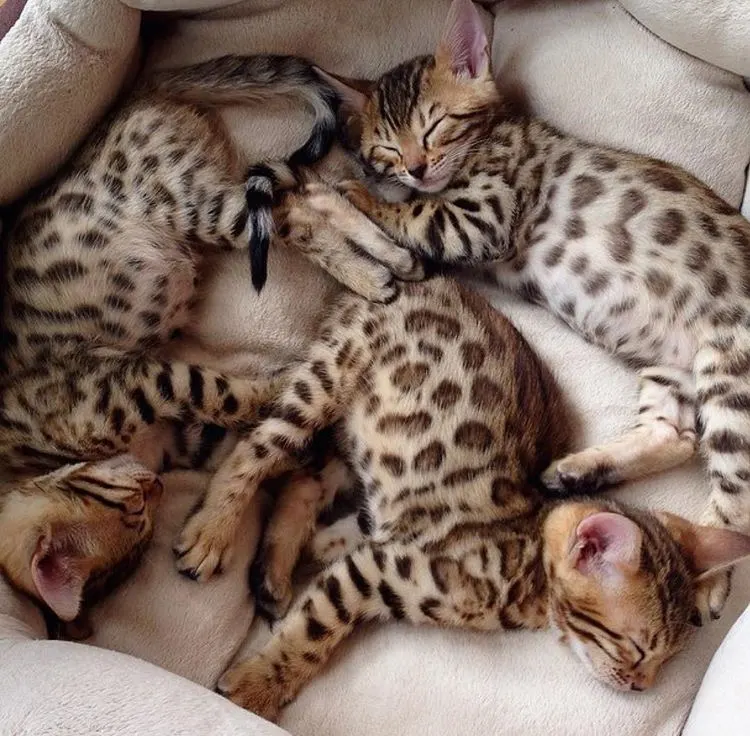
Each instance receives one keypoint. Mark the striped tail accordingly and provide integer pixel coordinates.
(264, 183)
(244, 80)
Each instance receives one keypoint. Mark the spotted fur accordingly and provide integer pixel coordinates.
(100, 271)
(633, 253)
(446, 417)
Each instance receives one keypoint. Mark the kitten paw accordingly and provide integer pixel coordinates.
(357, 193)
(253, 685)
(577, 473)
(711, 596)
(205, 546)
(273, 592)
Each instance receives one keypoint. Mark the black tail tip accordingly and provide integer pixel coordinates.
(259, 261)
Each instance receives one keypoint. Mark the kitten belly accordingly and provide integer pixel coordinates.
(609, 307)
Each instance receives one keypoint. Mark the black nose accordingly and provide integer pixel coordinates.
(418, 171)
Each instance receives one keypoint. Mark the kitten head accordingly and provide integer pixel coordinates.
(67, 536)
(623, 583)
(417, 123)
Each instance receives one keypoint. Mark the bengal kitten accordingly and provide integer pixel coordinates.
(635, 254)
(68, 536)
(447, 417)
(101, 269)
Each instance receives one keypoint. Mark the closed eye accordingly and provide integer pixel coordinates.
(387, 148)
(431, 130)
(641, 654)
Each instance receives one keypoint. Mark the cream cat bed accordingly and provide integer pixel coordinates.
(588, 66)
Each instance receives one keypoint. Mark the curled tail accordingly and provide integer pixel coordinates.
(264, 182)
(247, 80)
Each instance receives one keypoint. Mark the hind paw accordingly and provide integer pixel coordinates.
(252, 685)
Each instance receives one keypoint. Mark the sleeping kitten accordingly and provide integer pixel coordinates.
(635, 254)
(101, 269)
(447, 417)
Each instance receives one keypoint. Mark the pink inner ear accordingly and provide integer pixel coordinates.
(59, 579)
(465, 41)
(608, 539)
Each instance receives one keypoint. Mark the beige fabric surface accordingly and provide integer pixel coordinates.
(61, 66)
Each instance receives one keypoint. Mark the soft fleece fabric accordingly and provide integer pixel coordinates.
(587, 66)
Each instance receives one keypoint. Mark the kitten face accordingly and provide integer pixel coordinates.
(421, 120)
(74, 528)
(621, 592)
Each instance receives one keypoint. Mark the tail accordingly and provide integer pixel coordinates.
(264, 183)
(245, 80)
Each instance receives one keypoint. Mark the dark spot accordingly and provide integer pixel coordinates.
(420, 320)
(633, 201)
(579, 264)
(603, 162)
(575, 228)
(662, 178)
(403, 566)
(585, 190)
(596, 283)
(394, 464)
(620, 243)
(668, 227)
(708, 225)
(727, 441)
(718, 284)
(430, 458)
(410, 376)
(446, 394)
(698, 256)
(473, 435)
(563, 164)
(486, 394)
(658, 282)
(554, 255)
(405, 424)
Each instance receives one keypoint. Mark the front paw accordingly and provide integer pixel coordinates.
(205, 546)
(581, 472)
(357, 193)
(253, 685)
(711, 596)
(272, 589)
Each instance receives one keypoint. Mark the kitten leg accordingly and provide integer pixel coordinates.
(331, 543)
(663, 438)
(320, 223)
(317, 394)
(374, 582)
(290, 528)
(449, 228)
(723, 385)
(97, 407)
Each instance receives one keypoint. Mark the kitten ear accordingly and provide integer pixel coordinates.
(607, 540)
(60, 570)
(353, 92)
(464, 45)
(708, 548)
